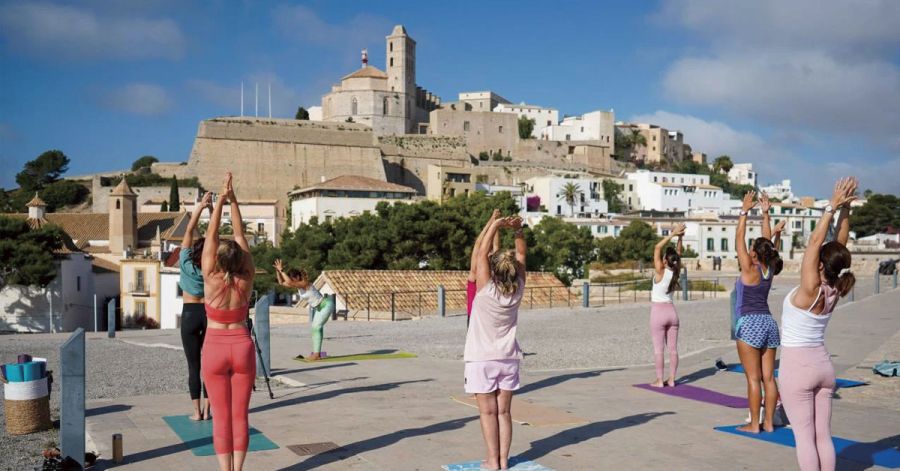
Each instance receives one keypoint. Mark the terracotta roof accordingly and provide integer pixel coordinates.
(102, 264)
(355, 182)
(36, 201)
(360, 290)
(85, 227)
(148, 222)
(367, 72)
(178, 228)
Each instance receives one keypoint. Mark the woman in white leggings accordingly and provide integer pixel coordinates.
(807, 379)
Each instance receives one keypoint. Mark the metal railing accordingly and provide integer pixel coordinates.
(639, 290)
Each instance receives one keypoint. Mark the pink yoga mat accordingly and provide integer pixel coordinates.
(697, 393)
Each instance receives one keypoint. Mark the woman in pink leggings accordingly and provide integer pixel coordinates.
(663, 318)
(473, 263)
(807, 380)
(228, 361)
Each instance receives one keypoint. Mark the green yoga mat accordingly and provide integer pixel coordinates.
(197, 435)
(361, 356)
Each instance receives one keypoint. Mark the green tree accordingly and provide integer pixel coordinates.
(570, 193)
(164, 207)
(722, 164)
(612, 194)
(688, 252)
(526, 127)
(64, 193)
(349, 120)
(561, 248)
(608, 250)
(174, 199)
(302, 114)
(637, 241)
(145, 161)
(42, 171)
(868, 193)
(879, 212)
(27, 255)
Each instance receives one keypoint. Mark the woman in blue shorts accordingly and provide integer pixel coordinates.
(756, 330)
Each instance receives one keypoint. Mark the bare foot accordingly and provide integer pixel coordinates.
(749, 428)
(196, 417)
(671, 382)
(314, 357)
(492, 465)
(768, 428)
(657, 384)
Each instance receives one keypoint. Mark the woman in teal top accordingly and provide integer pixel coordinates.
(193, 312)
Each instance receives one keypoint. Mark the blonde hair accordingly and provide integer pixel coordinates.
(505, 272)
(229, 259)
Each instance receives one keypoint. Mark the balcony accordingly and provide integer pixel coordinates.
(138, 289)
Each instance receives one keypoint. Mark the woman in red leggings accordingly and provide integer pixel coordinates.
(228, 358)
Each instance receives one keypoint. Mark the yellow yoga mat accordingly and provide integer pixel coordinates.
(361, 356)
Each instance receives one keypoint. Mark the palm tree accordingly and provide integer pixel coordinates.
(722, 164)
(570, 194)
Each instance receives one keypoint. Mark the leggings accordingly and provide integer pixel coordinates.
(323, 312)
(229, 369)
(806, 384)
(193, 329)
(664, 332)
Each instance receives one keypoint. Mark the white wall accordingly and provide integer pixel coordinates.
(28, 309)
(593, 126)
(549, 188)
(663, 191)
(302, 210)
(543, 117)
(170, 303)
(77, 288)
(742, 174)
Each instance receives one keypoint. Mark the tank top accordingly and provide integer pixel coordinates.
(227, 316)
(754, 299)
(660, 291)
(312, 295)
(802, 328)
(190, 277)
(492, 329)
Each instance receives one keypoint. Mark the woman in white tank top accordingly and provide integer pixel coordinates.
(807, 379)
(663, 318)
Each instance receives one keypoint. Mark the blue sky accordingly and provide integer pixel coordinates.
(806, 90)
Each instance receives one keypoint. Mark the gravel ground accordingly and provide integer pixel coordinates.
(114, 369)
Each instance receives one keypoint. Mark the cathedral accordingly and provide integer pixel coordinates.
(389, 102)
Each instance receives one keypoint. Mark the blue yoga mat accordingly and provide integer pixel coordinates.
(197, 435)
(840, 382)
(515, 464)
(863, 453)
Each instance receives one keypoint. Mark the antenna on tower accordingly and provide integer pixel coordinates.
(270, 100)
(256, 100)
(242, 98)
(365, 57)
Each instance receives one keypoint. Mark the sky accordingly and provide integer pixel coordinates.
(806, 90)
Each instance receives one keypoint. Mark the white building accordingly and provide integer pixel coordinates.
(686, 192)
(782, 190)
(589, 201)
(315, 113)
(344, 196)
(260, 219)
(600, 228)
(742, 174)
(516, 191)
(543, 117)
(714, 237)
(596, 126)
(801, 220)
(481, 101)
(171, 299)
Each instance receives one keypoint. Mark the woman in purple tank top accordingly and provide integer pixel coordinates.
(757, 332)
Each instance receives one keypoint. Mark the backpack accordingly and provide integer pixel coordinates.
(887, 368)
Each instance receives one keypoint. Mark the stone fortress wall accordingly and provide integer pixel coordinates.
(100, 194)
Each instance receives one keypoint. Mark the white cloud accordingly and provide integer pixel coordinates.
(304, 25)
(144, 99)
(822, 67)
(73, 33)
(774, 162)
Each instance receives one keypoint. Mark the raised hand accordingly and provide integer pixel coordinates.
(843, 193)
(679, 230)
(205, 202)
(764, 203)
(779, 228)
(495, 214)
(747, 204)
(278, 265)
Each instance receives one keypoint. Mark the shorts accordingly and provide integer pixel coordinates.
(758, 330)
(488, 376)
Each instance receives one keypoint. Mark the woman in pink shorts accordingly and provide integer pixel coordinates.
(473, 264)
(492, 353)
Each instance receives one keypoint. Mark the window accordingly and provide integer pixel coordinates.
(654, 140)
(500, 129)
(558, 209)
(384, 106)
(77, 283)
(392, 61)
(630, 187)
(710, 244)
(604, 229)
(353, 106)
(140, 308)
(391, 46)
(328, 218)
(812, 225)
(665, 232)
(568, 137)
(260, 227)
(655, 179)
(118, 204)
(139, 280)
(548, 122)
(465, 125)
(724, 244)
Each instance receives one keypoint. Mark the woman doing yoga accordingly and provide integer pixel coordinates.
(663, 317)
(229, 360)
(807, 375)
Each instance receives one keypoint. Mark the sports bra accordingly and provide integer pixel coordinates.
(227, 316)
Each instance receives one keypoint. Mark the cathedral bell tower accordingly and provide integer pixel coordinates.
(401, 70)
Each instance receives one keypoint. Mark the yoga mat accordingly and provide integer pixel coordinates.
(696, 393)
(840, 382)
(515, 464)
(14, 373)
(31, 371)
(864, 453)
(361, 356)
(528, 413)
(197, 435)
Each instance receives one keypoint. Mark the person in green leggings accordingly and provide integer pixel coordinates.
(323, 306)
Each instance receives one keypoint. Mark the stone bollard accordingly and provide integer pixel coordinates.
(442, 300)
(684, 284)
(586, 294)
(261, 328)
(71, 424)
(111, 318)
(877, 281)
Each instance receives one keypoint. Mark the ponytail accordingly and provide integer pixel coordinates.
(836, 260)
(768, 255)
(673, 262)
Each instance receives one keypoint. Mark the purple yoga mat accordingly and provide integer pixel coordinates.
(696, 393)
